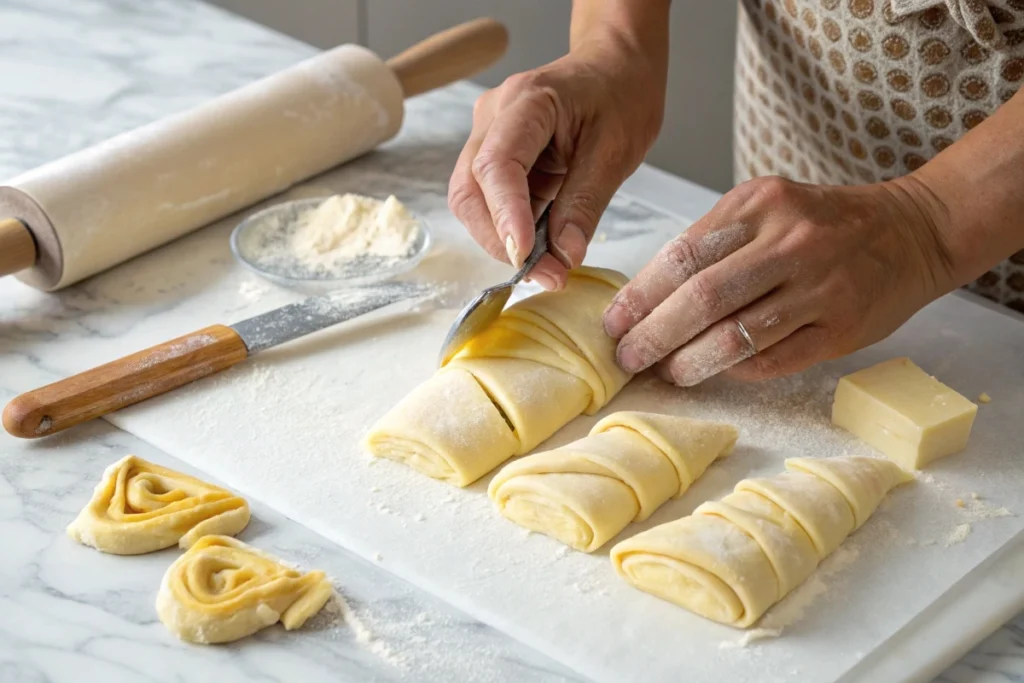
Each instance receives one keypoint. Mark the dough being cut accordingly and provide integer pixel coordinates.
(734, 558)
(584, 493)
(543, 362)
(222, 590)
(139, 507)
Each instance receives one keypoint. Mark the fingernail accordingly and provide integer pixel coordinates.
(571, 246)
(629, 359)
(616, 320)
(545, 281)
(513, 251)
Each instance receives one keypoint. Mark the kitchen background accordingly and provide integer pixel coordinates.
(696, 138)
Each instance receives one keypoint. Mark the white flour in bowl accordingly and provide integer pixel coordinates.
(347, 235)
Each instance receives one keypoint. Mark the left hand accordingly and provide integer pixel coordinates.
(779, 276)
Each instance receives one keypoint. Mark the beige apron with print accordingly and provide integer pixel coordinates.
(859, 91)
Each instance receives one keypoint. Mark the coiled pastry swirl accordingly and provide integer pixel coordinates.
(139, 507)
(222, 590)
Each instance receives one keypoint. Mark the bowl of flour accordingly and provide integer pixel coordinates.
(324, 244)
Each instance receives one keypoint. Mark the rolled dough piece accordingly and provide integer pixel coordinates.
(102, 205)
(222, 590)
(139, 507)
(586, 492)
(733, 559)
(542, 363)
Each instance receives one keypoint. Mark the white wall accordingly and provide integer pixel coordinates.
(696, 140)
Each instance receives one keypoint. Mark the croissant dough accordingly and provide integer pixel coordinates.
(139, 507)
(222, 590)
(734, 558)
(585, 492)
(543, 362)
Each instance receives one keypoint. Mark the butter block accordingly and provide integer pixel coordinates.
(905, 413)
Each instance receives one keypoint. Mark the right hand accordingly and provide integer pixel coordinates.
(569, 132)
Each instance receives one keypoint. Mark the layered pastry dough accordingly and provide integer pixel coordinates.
(543, 362)
(139, 507)
(222, 590)
(584, 493)
(734, 558)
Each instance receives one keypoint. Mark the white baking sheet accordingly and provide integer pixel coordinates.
(284, 428)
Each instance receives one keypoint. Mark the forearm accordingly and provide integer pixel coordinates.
(978, 185)
(642, 23)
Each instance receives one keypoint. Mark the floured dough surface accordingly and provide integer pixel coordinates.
(544, 361)
(222, 590)
(139, 507)
(586, 492)
(734, 558)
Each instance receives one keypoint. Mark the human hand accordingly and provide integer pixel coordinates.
(569, 132)
(779, 276)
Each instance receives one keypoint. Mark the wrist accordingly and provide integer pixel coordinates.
(924, 220)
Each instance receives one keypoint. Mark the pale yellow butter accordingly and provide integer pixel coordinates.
(902, 411)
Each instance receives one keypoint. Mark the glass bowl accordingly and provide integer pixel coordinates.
(259, 242)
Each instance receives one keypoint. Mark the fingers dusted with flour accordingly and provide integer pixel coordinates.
(778, 276)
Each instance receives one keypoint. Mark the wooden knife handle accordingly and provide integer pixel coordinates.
(123, 382)
(17, 246)
(443, 58)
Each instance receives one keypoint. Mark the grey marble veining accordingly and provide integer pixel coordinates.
(73, 73)
(71, 613)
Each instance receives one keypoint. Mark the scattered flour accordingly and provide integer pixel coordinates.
(958, 535)
(792, 607)
(365, 637)
(252, 290)
(751, 636)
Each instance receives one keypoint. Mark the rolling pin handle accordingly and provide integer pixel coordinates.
(449, 56)
(17, 247)
(123, 382)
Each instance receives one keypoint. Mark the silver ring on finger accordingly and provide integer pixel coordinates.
(746, 336)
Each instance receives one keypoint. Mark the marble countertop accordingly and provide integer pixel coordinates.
(76, 73)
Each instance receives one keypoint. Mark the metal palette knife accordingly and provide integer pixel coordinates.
(167, 366)
(488, 305)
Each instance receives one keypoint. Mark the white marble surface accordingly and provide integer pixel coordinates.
(74, 73)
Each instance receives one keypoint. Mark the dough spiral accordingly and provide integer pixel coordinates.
(139, 507)
(586, 492)
(543, 362)
(734, 558)
(222, 590)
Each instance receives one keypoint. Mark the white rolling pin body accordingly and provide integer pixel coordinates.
(105, 204)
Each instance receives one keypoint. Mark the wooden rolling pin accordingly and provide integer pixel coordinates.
(96, 208)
